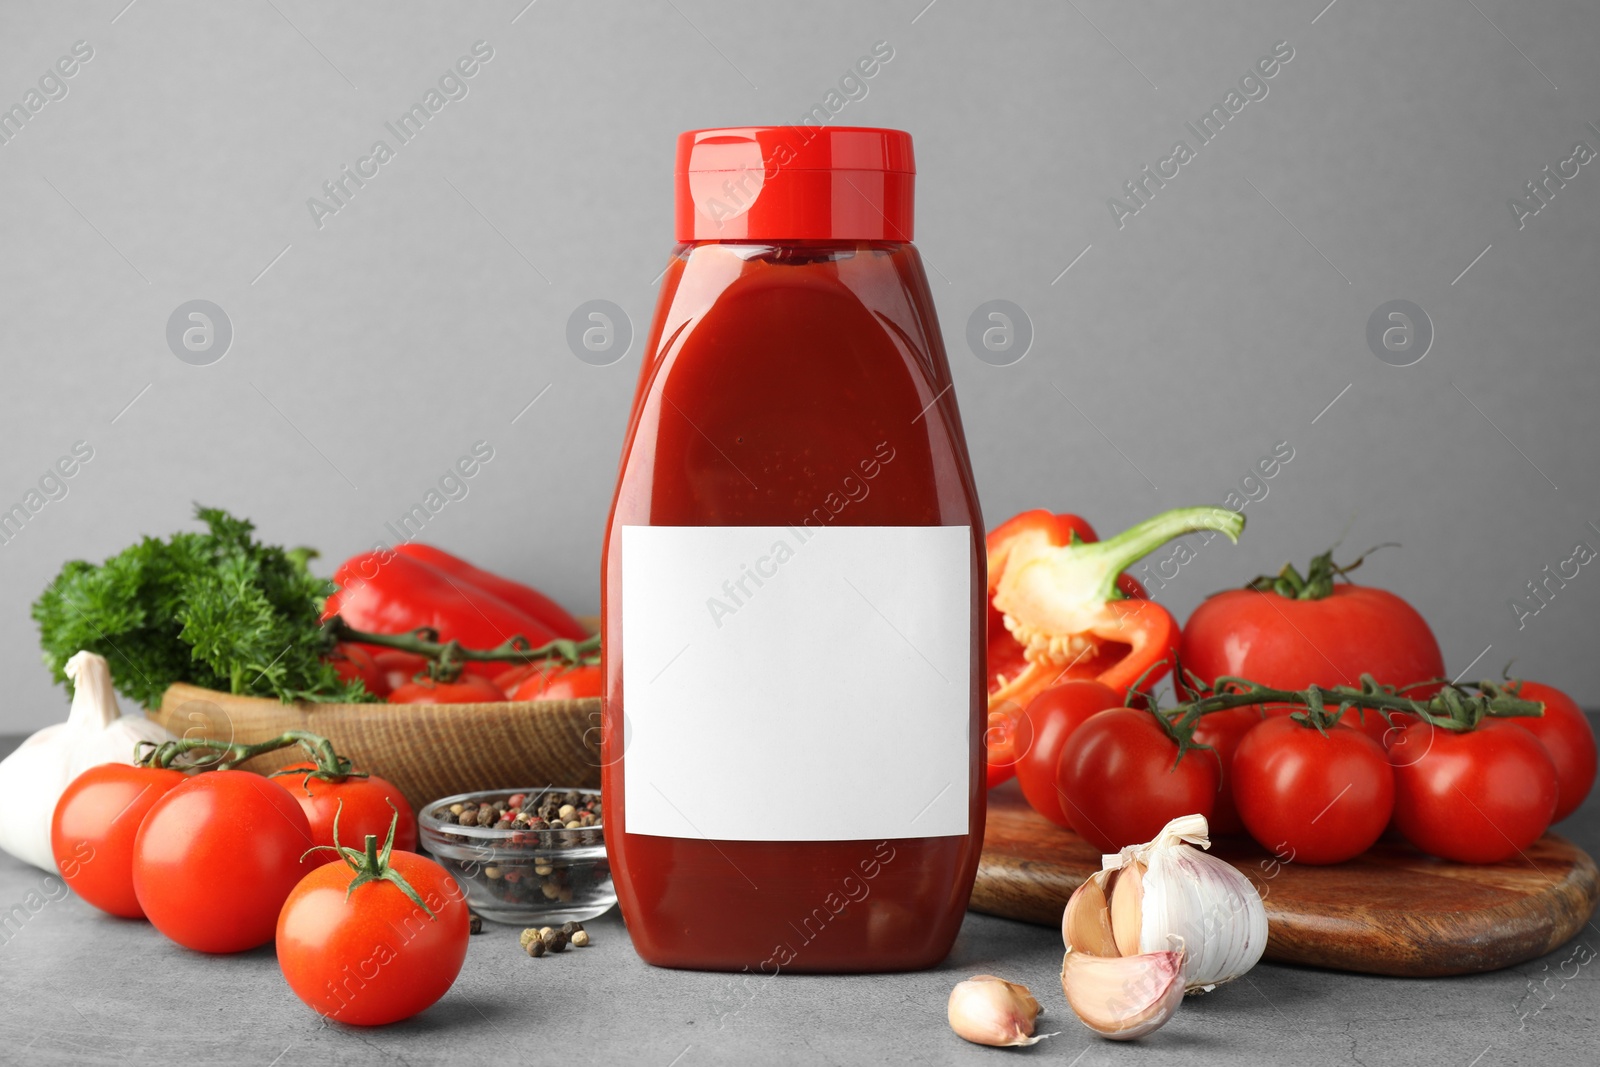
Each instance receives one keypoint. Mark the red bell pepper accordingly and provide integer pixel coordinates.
(1060, 607)
(530, 600)
(391, 593)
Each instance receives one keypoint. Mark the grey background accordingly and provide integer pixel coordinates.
(1225, 317)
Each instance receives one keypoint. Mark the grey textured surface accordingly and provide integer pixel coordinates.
(427, 313)
(80, 987)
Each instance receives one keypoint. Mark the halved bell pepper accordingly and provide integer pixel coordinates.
(1061, 608)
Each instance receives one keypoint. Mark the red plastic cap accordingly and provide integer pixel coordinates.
(794, 183)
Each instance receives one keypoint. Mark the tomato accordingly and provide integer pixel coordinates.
(1042, 731)
(362, 806)
(1288, 643)
(353, 661)
(1568, 737)
(467, 689)
(1475, 797)
(93, 828)
(216, 857)
(1309, 797)
(1222, 730)
(372, 956)
(560, 683)
(398, 668)
(1120, 779)
(508, 680)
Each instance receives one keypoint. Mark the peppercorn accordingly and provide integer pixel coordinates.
(581, 939)
(570, 928)
(468, 817)
(534, 948)
(474, 923)
(486, 817)
(567, 812)
(556, 941)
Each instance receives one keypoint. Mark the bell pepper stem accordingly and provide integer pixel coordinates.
(1116, 554)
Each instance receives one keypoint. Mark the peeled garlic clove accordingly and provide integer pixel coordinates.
(1123, 997)
(991, 1011)
(1126, 912)
(1086, 924)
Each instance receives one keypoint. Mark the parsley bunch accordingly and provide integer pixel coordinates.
(216, 609)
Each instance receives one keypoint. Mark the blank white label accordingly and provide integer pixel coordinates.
(797, 684)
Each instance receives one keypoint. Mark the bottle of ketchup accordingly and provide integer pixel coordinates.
(794, 578)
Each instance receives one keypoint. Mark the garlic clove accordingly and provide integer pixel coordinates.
(991, 1011)
(1086, 923)
(1123, 997)
(1127, 908)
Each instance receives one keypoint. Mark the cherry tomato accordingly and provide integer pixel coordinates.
(398, 668)
(467, 689)
(1120, 779)
(353, 661)
(372, 956)
(1567, 736)
(1042, 731)
(1312, 798)
(93, 828)
(1222, 730)
(362, 806)
(560, 683)
(1000, 744)
(508, 680)
(216, 857)
(1475, 797)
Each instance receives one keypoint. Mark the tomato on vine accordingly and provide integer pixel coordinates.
(1221, 732)
(215, 859)
(1126, 772)
(368, 804)
(466, 689)
(1311, 789)
(546, 681)
(93, 828)
(1567, 736)
(1480, 794)
(1042, 731)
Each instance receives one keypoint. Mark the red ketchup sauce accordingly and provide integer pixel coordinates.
(800, 786)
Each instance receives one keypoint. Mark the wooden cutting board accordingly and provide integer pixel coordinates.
(1392, 911)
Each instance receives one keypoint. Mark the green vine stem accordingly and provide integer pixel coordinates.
(446, 658)
(1454, 707)
(226, 755)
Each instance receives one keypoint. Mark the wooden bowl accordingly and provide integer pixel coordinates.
(427, 750)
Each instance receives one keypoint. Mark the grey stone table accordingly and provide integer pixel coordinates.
(79, 987)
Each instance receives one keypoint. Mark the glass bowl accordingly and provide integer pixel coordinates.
(520, 875)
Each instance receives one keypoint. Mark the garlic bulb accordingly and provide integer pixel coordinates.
(1147, 893)
(33, 777)
(991, 1011)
